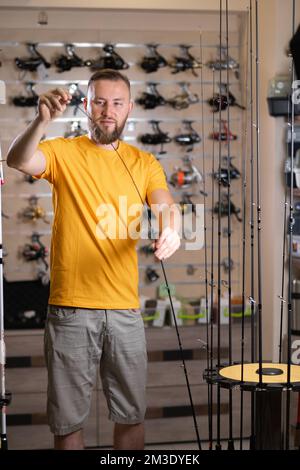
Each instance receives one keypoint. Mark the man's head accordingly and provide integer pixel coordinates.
(108, 104)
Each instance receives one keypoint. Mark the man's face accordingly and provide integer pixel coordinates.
(108, 104)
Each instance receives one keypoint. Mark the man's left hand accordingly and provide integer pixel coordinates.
(167, 244)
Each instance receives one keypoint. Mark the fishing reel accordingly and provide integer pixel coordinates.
(77, 96)
(186, 204)
(68, 61)
(32, 63)
(189, 139)
(30, 179)
(223, 100)
(226, 206)
(183, 178)
(151, 275)
(27, 101)
(147, 249)
(111, 60)
(151, 99)
(185, 62)
(227, 264)
(186, 98)
(224, 135)
(35, 250)
(34, 212)
(75, 130)
(227, 174)
(226, 63)
(158, 138)
(154, 60)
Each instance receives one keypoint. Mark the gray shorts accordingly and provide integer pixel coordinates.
(77, 342)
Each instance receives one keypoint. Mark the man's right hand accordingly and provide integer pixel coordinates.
(53, 104)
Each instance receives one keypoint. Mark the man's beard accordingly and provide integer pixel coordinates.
(103, 137)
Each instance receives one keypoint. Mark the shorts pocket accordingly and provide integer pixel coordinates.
(60, 314)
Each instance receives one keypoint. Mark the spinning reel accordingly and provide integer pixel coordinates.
(184, 177)
(27, 101)
(34, 61)
(224, 176)
(222, 100)
(226, 205)
(35, 250)
(185, 62)
(111, 60)
(77, 96)
(158, 138)
(151, 275)
(151, 99)
(186, 98)
(34, 212)
(189, 139)
(154, 60)
(70, 60)
(225, 135)
(225, 63)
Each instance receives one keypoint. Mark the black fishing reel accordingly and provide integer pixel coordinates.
(185, 62)
(225, 63)
(35, 250)
(154, 60)
(227, 264)
(186, 204)
(77, 96)
(111, 60)
(223, 100)
(31, 100)
(32, 63)
(227, 174)
(183, 100)
(147, 249)
(151, 275)
(158, 138)
(151, 99)
(189, 139)
(75, 130)
(224, 135)
(68, 61)
(226, 206)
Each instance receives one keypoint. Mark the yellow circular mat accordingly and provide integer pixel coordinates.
(249, 374)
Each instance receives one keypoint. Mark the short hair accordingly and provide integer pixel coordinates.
(109, 74)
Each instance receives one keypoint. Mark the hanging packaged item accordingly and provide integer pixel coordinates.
(296, 171)
(296, 139)
(280, 97)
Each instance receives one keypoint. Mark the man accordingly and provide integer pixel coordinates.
(93, 315)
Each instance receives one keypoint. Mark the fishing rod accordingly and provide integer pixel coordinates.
(230, 440)
(218, 444)
(208, 349)
(290, 260)
(169, 295)
(243, 191)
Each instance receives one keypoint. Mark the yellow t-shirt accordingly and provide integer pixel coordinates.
(94, 266)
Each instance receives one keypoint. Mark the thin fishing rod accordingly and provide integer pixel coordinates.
(290, 266)
(252, 203)
(208, 350)
(243, 190)
(230, 440)
(218, 445)
(170, 299)
(282, 301)
(212, 281)
(258, 206)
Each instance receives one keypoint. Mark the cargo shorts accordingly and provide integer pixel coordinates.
(78, 342)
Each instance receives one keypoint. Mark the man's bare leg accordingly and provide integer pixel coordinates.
(72, 441)
(129, 436)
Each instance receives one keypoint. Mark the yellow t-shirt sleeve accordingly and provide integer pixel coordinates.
(49, 149)
(157, 177)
